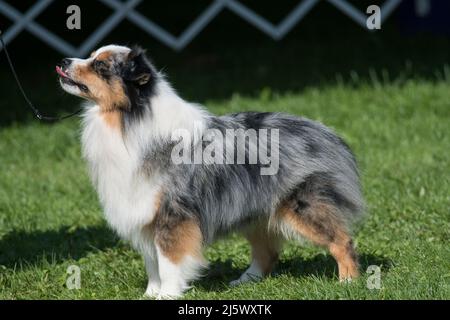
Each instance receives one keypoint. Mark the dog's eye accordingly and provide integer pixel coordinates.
(100, 66)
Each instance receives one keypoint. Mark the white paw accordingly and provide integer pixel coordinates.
(168, 296)
(170, 292)
(152, 290)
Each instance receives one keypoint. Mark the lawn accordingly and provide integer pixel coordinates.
(387, 94)
(50, 218)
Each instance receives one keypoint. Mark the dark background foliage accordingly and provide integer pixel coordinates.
(231, 56)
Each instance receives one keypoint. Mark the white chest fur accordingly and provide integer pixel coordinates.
(128, 196)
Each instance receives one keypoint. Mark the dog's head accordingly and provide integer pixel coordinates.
(113, 76)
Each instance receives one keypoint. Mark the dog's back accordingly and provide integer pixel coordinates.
(314, 164)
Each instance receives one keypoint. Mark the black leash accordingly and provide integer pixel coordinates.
(35, 110)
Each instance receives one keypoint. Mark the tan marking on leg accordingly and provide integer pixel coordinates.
(320, 224)
(345, 256)
(180, 240)
(290, 217)
(265, 247)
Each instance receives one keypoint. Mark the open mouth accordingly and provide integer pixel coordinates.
(65, 78)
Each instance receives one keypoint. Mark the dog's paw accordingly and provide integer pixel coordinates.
(152, 291)
(168, 296)
(346, 280)
(246, 277)
(235, 283)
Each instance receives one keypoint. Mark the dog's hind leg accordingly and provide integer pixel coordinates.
(319, 222)
(265, 248)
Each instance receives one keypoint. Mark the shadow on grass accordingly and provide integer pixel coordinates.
(20, 248)
(220, 273)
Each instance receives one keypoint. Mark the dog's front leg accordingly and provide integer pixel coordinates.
(154, 280)
(178, 247)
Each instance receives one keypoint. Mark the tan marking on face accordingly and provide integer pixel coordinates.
(110, 96)
(104, 56)
(184, 239)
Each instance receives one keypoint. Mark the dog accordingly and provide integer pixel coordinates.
(170, 211)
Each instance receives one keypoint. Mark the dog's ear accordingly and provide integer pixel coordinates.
(137, 69)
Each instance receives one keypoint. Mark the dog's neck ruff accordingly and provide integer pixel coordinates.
(128, 192)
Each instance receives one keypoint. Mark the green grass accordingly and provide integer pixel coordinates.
(400, 132)
(386, 92)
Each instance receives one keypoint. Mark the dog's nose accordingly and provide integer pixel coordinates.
(65, 62)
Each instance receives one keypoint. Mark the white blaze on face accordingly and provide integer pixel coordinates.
(114, 49)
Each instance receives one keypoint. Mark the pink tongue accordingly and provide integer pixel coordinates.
(60, 72)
